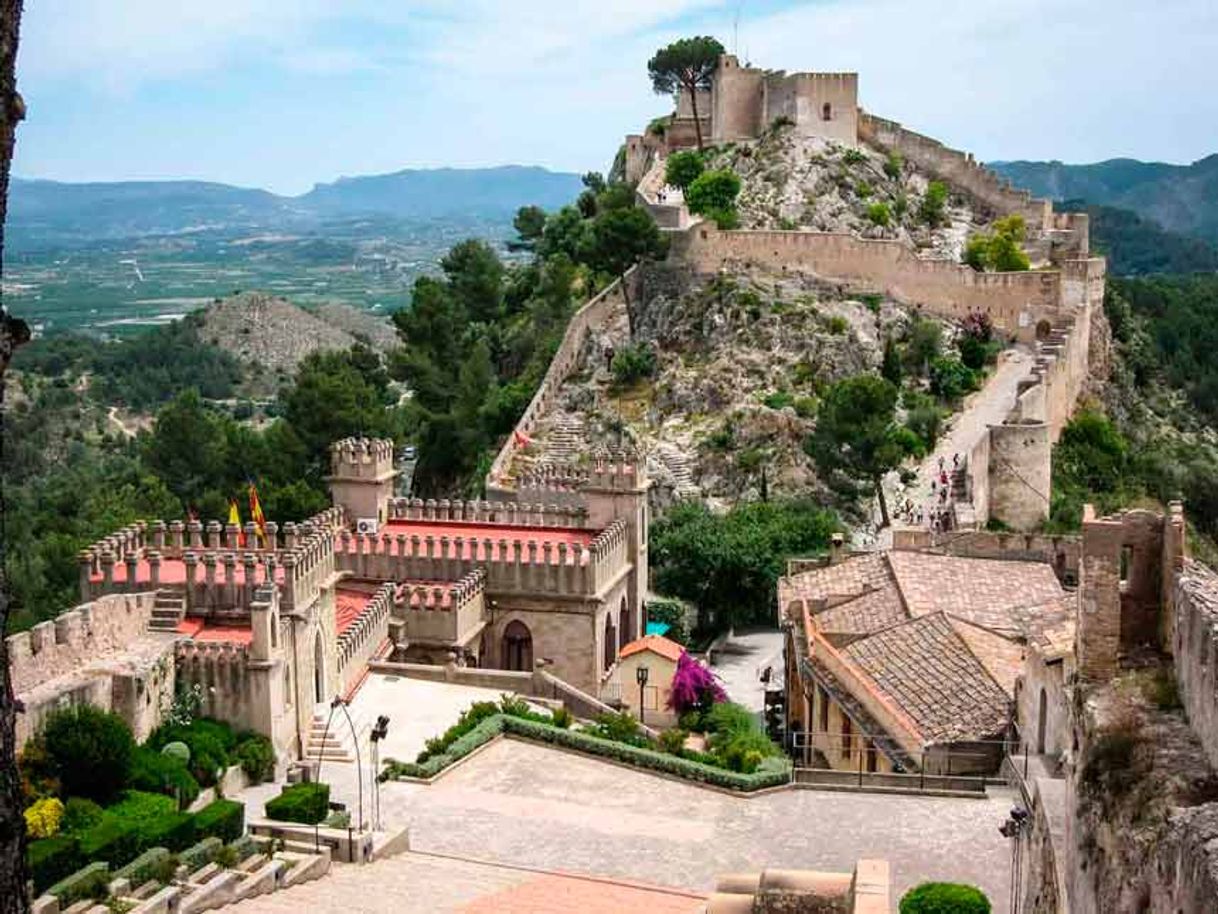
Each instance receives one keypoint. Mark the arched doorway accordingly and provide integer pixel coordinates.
(319, 671)
(1040, 722)
(627, 633)
(517, 647)
(610, 641)
(1043, 329)
(826, 112)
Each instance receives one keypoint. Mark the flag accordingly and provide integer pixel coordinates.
(234, 517)
(256, 514)
(522, 440)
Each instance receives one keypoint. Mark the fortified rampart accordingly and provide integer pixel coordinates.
(364, 637)
(747, 100)
(434, 616)
(1195, 648)
(957, 168)
(593, 315)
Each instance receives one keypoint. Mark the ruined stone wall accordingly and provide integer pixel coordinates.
(958, 168)
(1016, 302)
(1019, 474)
(74, 638)
(1195, 650)
(1061, 552)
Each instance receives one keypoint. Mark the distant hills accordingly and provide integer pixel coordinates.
(48, 212)
(1136, 246)
(1180, 198)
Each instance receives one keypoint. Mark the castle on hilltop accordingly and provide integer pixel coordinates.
(271, 628)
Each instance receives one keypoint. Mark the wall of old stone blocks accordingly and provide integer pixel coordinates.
(958, 168)
(1019, 474)
(1047, 675)
(1016, 302)
(74, 638)
(809, 93)
(737, 99)
(563, 634)
(1195, 651)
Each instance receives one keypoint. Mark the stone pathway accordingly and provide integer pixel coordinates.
(415, 883)
(740, 662)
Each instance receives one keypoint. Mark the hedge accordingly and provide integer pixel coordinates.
(115, 841)
(201, 854)
(176, 831)
(772, 772)
(306, 803)
(223, 819)
(51, 859)
(155, 772)
(89, 882)
(143, 867)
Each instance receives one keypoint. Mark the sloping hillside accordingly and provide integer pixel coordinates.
(1183, 198)
(269, 336)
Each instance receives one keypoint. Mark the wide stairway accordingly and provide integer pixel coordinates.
(681, 467)
(168, 610)
(338, 744)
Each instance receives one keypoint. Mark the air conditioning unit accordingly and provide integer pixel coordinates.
(365, 525)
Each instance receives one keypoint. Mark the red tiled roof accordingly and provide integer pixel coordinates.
(199, 630)
(657, 644)
(348, 604)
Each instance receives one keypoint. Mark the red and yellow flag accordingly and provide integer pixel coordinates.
(256, 513)
(234, 517)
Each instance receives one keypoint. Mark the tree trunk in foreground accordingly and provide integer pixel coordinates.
(693, 101)
(13, 333)
(879, 491)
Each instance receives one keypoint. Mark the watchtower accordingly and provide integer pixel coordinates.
(616, 488)
(361, 478)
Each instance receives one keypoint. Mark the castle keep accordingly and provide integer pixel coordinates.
(271, 629)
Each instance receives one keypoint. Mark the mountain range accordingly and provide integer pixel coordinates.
(50, 212)
(1180, 198)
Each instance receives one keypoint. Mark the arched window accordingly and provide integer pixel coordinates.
(610, 641)
(319, 671)
(627, 633)
(826, 112)
(517, 647)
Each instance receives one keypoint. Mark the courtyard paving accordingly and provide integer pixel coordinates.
(740, 662)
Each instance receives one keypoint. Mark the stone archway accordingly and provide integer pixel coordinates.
(517, 647)
(610, 641)
(625, 624)
(319, 671)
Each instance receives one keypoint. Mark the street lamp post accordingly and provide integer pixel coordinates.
(379, 732)
(640, 675)
(1014, 828)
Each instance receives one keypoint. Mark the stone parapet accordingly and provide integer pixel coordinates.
(520, 514)
(364, 636)
(1195, 650)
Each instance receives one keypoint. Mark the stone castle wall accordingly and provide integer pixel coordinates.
(958, 168)
(364, 638)
(1195, 650)
(1016, 302)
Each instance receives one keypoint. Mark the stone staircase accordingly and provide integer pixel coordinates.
(168, 610)
(565, 440)
(680, 467)
(338, 745)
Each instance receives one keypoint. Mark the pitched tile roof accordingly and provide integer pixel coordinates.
(656, 644)
(925, 668)
(865, 615)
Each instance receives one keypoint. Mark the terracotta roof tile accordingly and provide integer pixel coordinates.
(656, 644)
(927, 670)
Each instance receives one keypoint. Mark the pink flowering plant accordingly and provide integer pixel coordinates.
(694, 687)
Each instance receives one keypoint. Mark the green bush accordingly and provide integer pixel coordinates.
(245, 847)
(933, 209)
(89, 882)
(779, 399)
(138, 806)
(562, 718)
(863, 189)
(951, 379)
(143, 867)
(256, 756)
(306, 803)
(944, 898)
(470, 718)
(724, 217)
(619, 728)
(713, 191)
(633, 363)
(879, 214)
(176, 831)
(485, 730)
(51, 859)
(209, 741)
(158, 772)
(114, 840)
(225, 819)
(837, 325)
(200, 854)
(673, 740)
(79, 815)
(893, 165)
(89, 750)
(854, 157)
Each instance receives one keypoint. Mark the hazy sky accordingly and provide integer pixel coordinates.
(284, 93)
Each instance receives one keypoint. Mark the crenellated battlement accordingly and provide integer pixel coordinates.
(220, 656)
(361, 458)
(486, 512)
(435, 615)
(362, 637)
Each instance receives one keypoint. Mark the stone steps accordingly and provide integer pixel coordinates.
(168, 609)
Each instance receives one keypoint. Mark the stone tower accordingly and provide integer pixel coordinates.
(361, 477)
(617, 488)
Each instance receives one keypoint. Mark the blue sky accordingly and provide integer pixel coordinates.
(284, 93)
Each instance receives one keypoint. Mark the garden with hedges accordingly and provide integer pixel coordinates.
(98, 803)
(738, 755)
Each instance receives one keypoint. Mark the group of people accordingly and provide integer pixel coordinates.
(937, 512)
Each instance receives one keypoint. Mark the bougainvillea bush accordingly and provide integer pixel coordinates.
(694, 687)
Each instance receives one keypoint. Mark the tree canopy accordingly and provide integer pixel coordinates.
(688, 65)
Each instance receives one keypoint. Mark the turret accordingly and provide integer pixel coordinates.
(361, 478)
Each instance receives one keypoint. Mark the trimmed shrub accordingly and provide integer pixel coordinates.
(201, 854)
(143, 867)
(89, 882)
(89, 750)
(114, 840)
(176, 831)
(209, 741)
(158, 772)
(944, 898)
(43, 818)
(225, 819)
(256, 756)
(306, 803)
(619, 728)
(177, 750)
(80, 815)
(51, 859)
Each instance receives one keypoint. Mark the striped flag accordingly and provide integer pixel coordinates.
(234, 517)
(256, 513)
